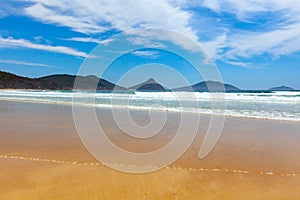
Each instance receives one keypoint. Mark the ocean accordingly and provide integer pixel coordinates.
(283, 105)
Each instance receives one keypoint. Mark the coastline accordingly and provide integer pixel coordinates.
(145, 109)
(254, 159)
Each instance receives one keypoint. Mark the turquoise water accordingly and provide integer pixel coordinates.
(276, 105)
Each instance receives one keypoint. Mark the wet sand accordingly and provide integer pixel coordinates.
(41, 157)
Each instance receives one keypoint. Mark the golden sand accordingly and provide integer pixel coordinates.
(41, 157)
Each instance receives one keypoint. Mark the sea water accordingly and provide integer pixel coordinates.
(262, 105)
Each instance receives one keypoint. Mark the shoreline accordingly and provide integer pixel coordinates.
(173, 167)
(272, 128)
(42, 157)
(146, 109)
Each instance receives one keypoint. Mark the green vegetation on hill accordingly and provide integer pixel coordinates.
(54, 82)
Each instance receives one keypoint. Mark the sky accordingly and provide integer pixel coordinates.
(255, 44)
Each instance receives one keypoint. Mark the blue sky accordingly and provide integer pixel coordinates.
(255, 44)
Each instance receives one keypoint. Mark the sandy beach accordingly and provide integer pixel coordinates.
(41, 157)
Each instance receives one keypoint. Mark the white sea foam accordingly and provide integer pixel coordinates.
(276, 106)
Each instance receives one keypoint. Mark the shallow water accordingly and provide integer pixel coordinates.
(275, 105)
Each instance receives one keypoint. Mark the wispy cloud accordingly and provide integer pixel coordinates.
(95, 17)
(146, 54)
(240, 64)
(98, 16)
(214, 47)
(17, 62)
(90, 40)
(22, 43)
(279, 37)
(2, 14)
(64, 13)
(283, 41)
(246, 10)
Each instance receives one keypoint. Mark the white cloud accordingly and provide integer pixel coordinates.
(240, 64)
(280, 37)
(26, 63)
(245, 9)
(59, 16)
(147, 54)
(157, 38)
(212, 4)
(90, 40)
(231, 45)
(214, 47)
(280, 42)
(17, 43)
(92, 16)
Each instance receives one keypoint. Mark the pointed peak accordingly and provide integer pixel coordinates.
(150, 84)
(151, 80)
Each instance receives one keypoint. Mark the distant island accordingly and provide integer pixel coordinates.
(66, 82)
(149, 85)
(212, 86)
(282, 88)
(204, 86)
